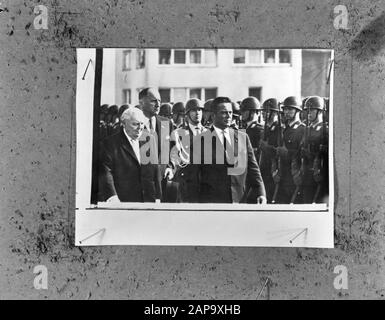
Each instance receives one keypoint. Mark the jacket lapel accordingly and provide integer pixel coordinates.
(126, 145)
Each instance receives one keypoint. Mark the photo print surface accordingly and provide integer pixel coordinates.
(229, 135)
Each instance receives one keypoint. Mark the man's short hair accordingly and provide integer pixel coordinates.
(217, 101)
(144, 92)
(131, 112)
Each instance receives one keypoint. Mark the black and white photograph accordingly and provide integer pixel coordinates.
(206, 129)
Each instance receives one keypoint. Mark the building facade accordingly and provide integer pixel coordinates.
(180, 74)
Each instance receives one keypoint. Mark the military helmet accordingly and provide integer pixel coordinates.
(104, 108)
(304, 102)
(207, 105)
(236, 108)
(250, 103)
(165, 110)
(123, 108)
(292, 102)
(113, 110)
(315, 102)
(271, 105)
(178, 108)
(194, 104)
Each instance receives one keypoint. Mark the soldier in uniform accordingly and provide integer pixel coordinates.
(236, 115)
(290, 190)
(114, 124)
(271, 140)
(178, 112)
(103, 122)
(207, 114)
(166, 110)
(315, 152)
(188, 190)
(253, 123)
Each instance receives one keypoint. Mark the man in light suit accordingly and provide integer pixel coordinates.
(180, 154)
(123, 177)
(227, 161)
(161, 128)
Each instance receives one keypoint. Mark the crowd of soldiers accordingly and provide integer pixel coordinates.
(289, 140)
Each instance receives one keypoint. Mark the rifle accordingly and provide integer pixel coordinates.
(237, 120)
(307, 147)
(276, 166)
(264, 137)
(319, 165)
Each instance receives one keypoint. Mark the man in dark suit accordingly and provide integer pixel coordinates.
(123, 177)
(161, 128)
(227, 161)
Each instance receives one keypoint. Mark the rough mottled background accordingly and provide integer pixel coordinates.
(37, 99)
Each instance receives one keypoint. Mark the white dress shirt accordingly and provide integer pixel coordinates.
(152, 127)
(223, 134)
(196, 129)
(134, 144)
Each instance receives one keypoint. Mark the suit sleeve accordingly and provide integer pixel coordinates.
(254, 178)
(175, 149)
(171, 164)
(106, 179)
(158, 182)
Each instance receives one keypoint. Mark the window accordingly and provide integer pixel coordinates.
(269, 56)
(179, 56)
(239, 56)
(184, 94)
(164, 95)
(126, 60)
(195, 93)
(195, 56)
(255, 56)
(179, 94)
(210, 56)
(188, 57)
(164, 56)
(255, 92)
(210, 93)
(126, 96)
(140, 59)
(261, 57)
(284, 56)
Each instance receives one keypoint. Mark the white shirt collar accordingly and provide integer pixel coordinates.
(127, 136)
(153, 122)
(194, 127)
(225, 131)
(134, 144)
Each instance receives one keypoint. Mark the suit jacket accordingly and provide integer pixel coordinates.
(121, 174)
(163, 129)
(218, 181)
(186, 173)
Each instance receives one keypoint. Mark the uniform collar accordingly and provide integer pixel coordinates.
(153, 123)
(193, 127)
(291, 125)
(128, 137)
(315, 124)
